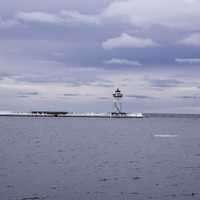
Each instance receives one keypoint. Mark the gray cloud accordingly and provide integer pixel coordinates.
(8, 23)
(70, 77)
(31, 93)
(71, 95)
(189, 97)
(139, 96)
(23, 96)
(88, 6)
(188, 60)
(165, 83)
(191, 40)
(104, 98)
(27, 94)
(4, 75)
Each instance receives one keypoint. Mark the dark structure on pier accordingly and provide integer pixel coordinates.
(49, 113)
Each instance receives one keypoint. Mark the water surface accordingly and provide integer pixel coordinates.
(99, 159)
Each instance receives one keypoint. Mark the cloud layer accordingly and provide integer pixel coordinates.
(64, 50)
(182, 14)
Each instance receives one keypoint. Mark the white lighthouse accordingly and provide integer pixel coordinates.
(117, 102)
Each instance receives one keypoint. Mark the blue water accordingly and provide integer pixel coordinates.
(99, 159)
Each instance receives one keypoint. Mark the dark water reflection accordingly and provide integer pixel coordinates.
(101, 159)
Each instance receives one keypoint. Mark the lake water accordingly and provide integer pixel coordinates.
(99, 159)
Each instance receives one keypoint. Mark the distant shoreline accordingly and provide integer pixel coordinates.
(171, 115)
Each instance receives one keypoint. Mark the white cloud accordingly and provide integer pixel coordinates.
(40, 17)
(63, 17)
(75, 16)
(188, 60)
(116, 61)
(191, 40)
(172, 13)
(127, 41)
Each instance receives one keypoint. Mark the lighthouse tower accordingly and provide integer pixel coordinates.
(117, 104)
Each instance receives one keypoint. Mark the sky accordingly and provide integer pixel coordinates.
(71, 55)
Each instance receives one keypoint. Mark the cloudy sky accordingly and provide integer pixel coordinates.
(71, 55)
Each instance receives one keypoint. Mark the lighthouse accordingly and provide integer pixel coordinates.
(117, 102)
